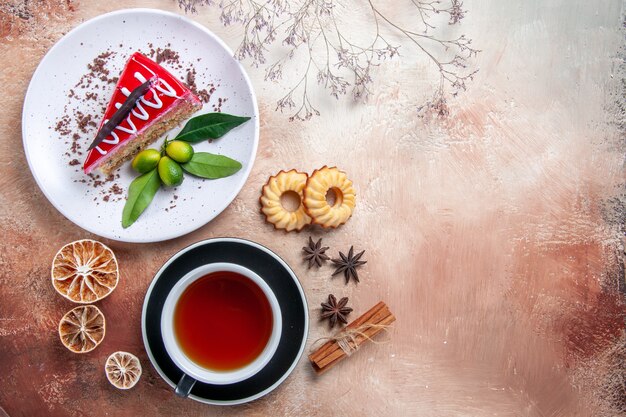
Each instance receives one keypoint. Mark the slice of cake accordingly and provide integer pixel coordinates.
(167, 103)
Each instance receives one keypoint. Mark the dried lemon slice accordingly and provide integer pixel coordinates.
(82, 329)
(85, 271)
(123, 370)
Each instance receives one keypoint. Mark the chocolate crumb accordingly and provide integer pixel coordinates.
(166, 55)
(204, 95)
(190, 80)
(74, 162)
(62, 126)
(75, 148)
(85, 122)
(116, 189)
(98, 68)
(218, 107)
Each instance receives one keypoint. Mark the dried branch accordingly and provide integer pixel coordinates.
(312, 28)
(189, 6)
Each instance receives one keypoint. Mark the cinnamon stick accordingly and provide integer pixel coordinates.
(333, 350)
(351, 337)
(368, 315)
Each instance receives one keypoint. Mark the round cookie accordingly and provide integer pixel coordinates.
(319, 183)
(272, 207)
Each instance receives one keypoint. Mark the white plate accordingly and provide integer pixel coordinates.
(199, 201)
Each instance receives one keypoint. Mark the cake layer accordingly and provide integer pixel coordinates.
(167, 98)
(130, 148)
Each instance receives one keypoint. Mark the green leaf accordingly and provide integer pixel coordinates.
(140, 195)
(209, 126)
(208, 165)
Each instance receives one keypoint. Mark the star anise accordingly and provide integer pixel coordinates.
(335, 311)
(349, 264)
(315, 253)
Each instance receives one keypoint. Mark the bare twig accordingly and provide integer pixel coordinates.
(339, 65)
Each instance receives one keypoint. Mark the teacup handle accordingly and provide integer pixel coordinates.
(185, 384)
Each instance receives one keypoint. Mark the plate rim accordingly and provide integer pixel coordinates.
(28, 97)
(256, 245)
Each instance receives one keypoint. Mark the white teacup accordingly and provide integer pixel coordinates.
(193, 371)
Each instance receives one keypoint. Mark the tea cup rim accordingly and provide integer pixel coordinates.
(191, 368)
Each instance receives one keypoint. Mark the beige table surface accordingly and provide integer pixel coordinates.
(493, 234)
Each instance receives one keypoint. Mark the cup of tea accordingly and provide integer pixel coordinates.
(221, 324)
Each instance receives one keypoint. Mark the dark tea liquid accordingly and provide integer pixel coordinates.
(223, 321)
